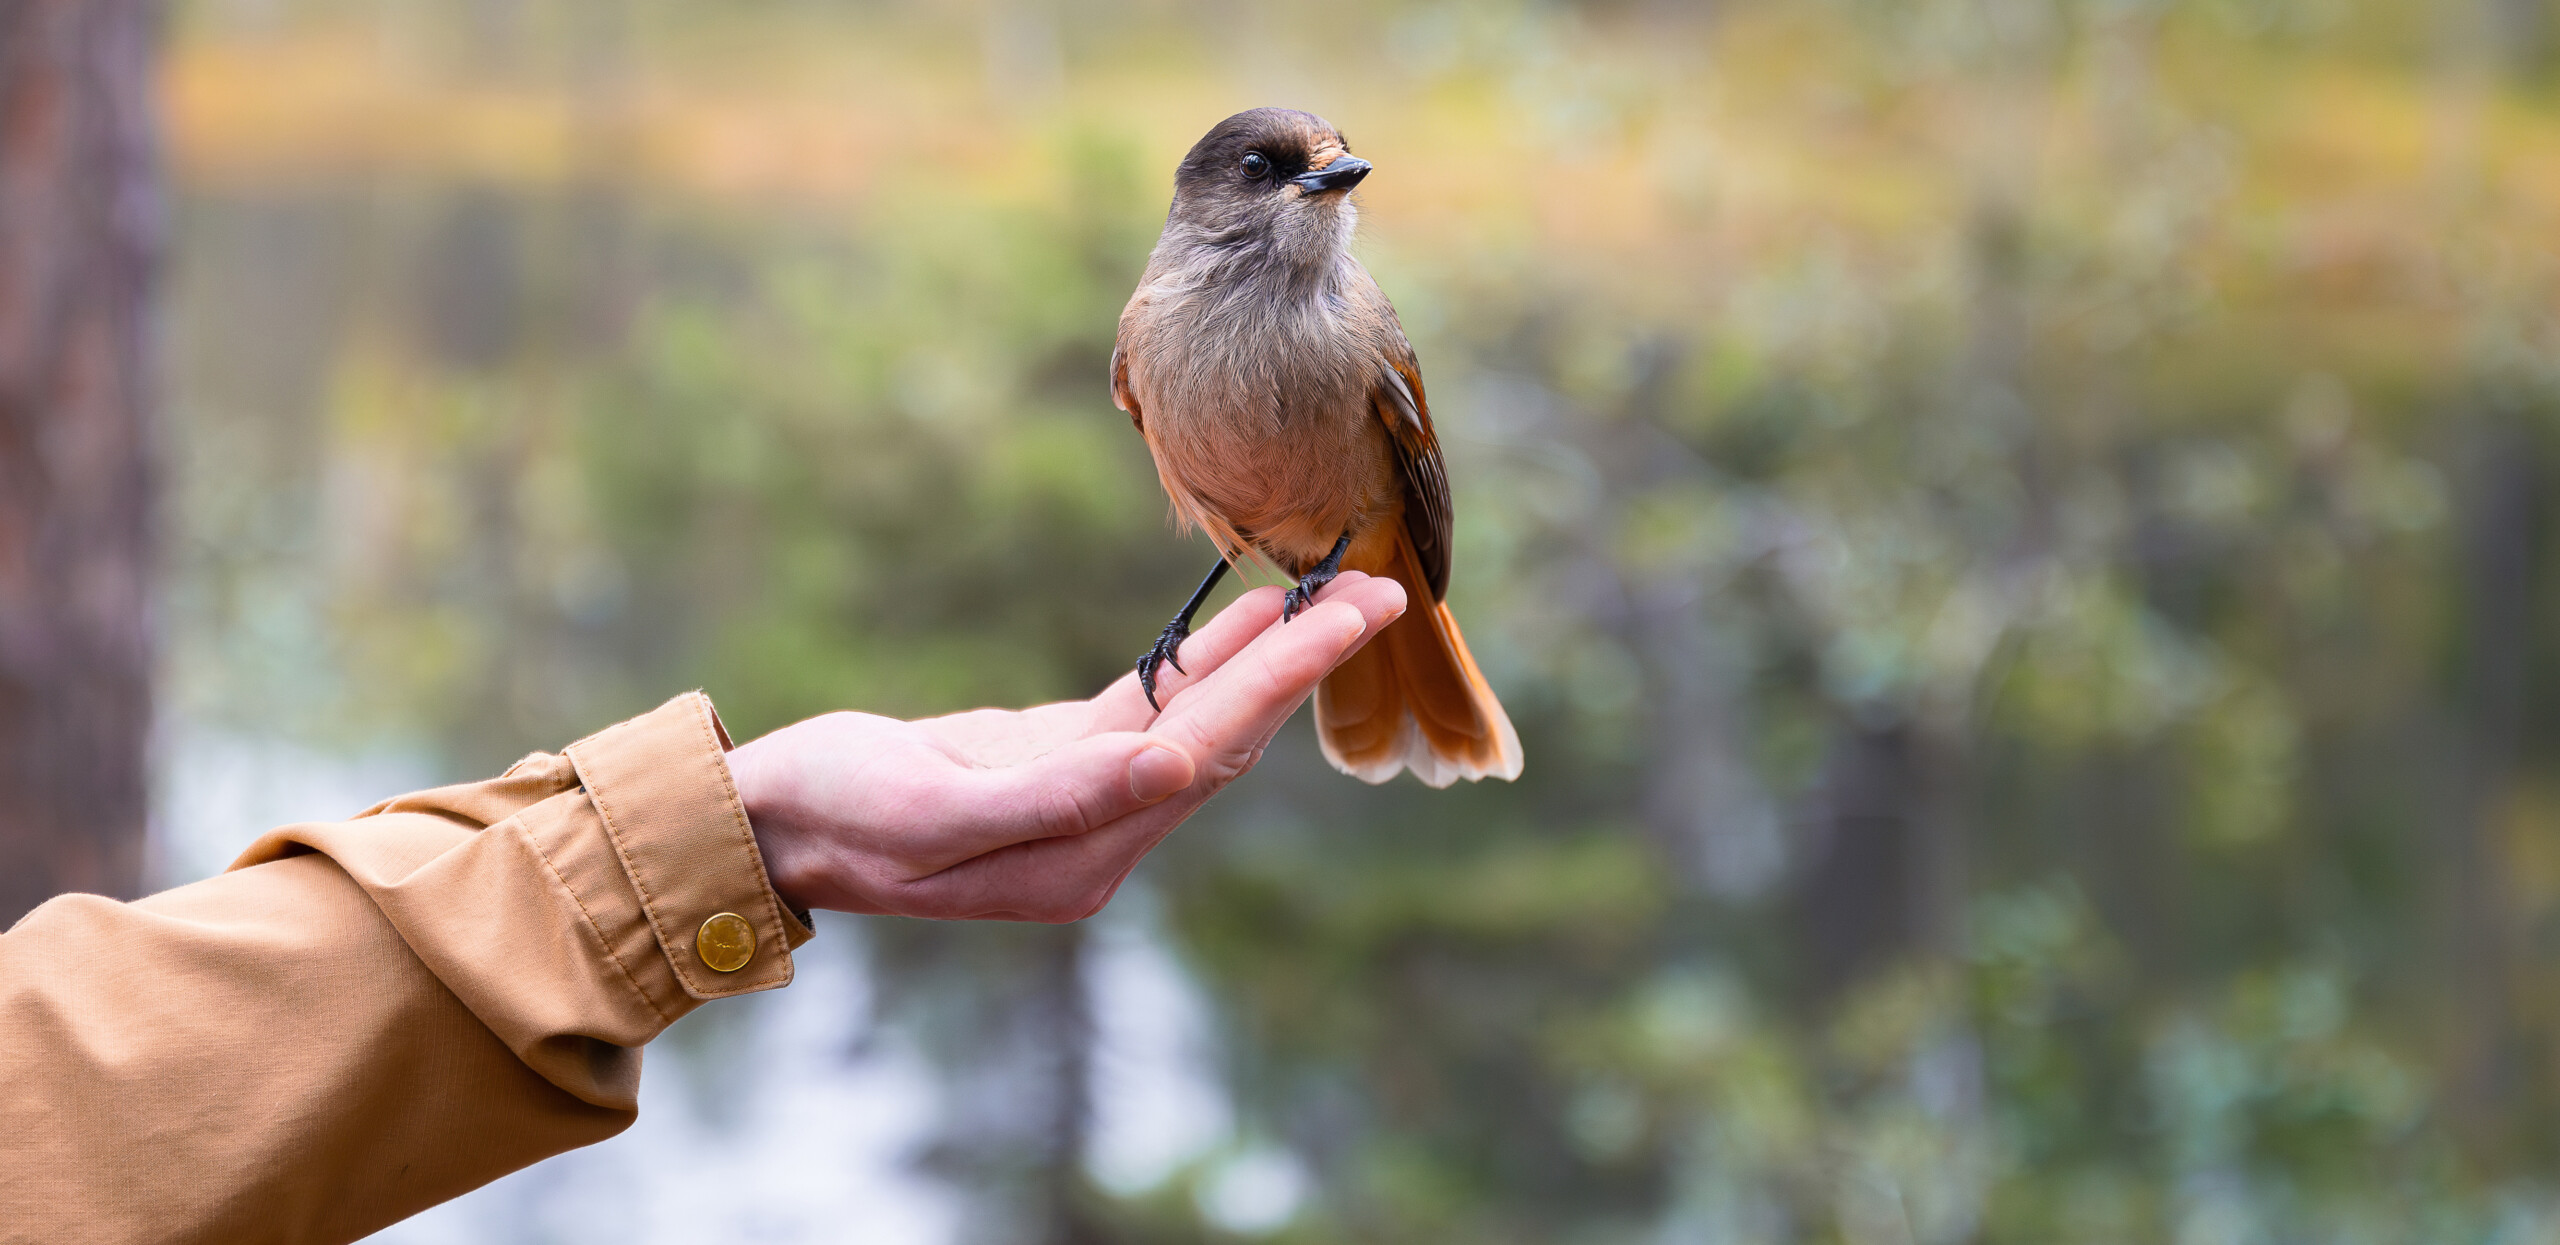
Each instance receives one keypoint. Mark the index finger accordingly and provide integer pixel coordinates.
(1123, 705)
(1225, 717)
(1005, 737)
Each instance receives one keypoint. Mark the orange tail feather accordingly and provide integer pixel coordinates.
(1413, 697)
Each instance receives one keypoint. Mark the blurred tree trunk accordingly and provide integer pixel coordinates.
(1066, 1014)
(79, 236)
(2500, 586)
(1859, 899)
(2499, 523)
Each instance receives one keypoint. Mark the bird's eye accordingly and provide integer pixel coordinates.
(1255, 164)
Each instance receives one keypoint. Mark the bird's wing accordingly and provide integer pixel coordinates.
(1121, 395)
(1398, 399)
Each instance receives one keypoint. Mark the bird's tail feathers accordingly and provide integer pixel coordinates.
(1413, 697)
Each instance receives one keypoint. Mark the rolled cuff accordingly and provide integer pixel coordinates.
(660, 784)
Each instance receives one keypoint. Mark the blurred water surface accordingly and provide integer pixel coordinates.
(2017, 535)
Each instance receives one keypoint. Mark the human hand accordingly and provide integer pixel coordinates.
(1038, 815)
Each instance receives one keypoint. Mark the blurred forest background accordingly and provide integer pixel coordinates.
(2019, 537)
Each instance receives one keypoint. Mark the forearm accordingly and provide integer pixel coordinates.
(367, 1017)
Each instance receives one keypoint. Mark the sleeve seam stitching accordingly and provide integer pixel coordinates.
(590, 918)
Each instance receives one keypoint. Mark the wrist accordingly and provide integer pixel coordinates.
(764, 791)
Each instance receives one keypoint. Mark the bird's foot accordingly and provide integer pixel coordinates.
(1165, 652)
(1303, 596)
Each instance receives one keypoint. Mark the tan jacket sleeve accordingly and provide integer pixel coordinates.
(364, 1018)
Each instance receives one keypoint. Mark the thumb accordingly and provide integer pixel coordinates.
(1083, 786)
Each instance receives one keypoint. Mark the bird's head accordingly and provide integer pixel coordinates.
(1275, 178)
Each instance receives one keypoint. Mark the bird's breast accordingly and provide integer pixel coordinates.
(1258, 412)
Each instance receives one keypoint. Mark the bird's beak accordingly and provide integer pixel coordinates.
(1344, 173)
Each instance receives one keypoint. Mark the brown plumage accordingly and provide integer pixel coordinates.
(1286, 414)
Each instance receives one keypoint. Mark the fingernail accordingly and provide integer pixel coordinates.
(1157, 773)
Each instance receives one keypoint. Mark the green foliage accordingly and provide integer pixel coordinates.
(2016, 536)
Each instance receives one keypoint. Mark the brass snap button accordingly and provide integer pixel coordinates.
(725, 943)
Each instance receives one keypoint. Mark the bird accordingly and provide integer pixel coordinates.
(1284, 408)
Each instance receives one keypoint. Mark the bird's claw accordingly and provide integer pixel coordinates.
(1166, 651)
(1303, 597)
